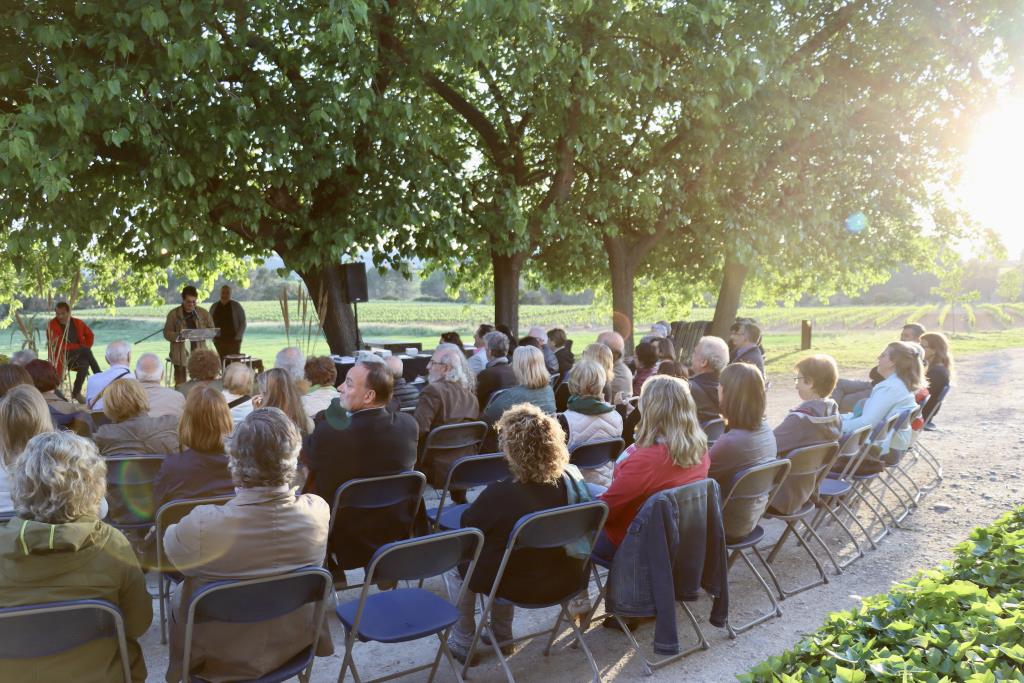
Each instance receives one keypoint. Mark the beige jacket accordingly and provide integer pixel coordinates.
(163, 400)
(139, 434)
(176, 323)
(260, 532)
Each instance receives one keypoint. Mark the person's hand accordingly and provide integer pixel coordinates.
(257, 400)
(620, 397)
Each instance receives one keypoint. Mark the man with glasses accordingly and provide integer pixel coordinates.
(448, 398)
(186, 316)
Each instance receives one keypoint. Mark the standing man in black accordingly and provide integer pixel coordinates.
(229, 316)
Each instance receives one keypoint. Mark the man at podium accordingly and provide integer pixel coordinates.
(188, 316)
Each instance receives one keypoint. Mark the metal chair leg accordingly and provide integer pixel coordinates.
(777, 610)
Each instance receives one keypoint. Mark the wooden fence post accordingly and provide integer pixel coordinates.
(805, 335)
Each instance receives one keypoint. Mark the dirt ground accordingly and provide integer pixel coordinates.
(980, 444)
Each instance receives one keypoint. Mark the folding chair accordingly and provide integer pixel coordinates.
(749, 497)
(554, 528)
(445, 444)
(395, 493)
(254, 600)
(36, 631)
(130, 490)
(407, 614)
(713, 429)
(554, 379)
(808, 467)
(890, 476)
(836, 488)
(170, 513)
(918, 450)
(562, 394)
(409, 409)
(590, 456)
(467, 472)
(870, 470)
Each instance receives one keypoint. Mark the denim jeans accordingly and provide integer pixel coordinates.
(462, 633)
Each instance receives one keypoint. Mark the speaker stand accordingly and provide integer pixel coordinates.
(359, 341)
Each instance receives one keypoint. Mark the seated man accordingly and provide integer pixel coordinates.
(119, 356)
(478, 361)
(498, 374)
(359, 438)
(404, 395)
(849, 392)
(622, 377)
(70, 339)
(447, 399)
(149, 370)
(709, 358)
(746, 339)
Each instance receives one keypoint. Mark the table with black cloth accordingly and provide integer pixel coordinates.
(412, 366)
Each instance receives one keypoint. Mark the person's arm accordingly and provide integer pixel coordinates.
(241, 322)
(133, 596)
(483, 513)
(721, 455)
(876, 407)
(631, 481)
(85, 336)
(181, 544)
(787, 434)
(427, 407)
(171, 327)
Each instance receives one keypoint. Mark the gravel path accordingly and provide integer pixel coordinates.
(980, 444)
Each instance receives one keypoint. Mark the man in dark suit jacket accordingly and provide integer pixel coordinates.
(359, 438)
(498, 373)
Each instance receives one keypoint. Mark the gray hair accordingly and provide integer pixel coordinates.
(119, 352)
(714, 351)
(496, 343)
(396, 366)
(293, 361)
(23, 357)
(148, 368)
(264, 449)
(458, 368)
(58, 478)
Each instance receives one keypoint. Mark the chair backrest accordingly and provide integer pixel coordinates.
(130, 488)
(882, 430)
(464, 436)
(751, 493)
(562, 394)
(476, 470)
(554, 379)
(408, 409)
(938, 404)
(33, 631)
(396, 496)
(807, 467)
(173, 512)
(588, 456)
(713, 429)
(852, 450)
(425, 556)
(559, 526)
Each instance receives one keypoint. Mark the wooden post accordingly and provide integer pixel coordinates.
(805, 335)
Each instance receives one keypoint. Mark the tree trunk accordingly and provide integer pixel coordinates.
(622, 269)
(338, 322)
(733, 275)
(506, 289)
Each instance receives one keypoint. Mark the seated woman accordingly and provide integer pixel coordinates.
(238, 390)
(264, 530)
(11, 376)
(58, 549)
(534, 385)
(646, 365)
(23, 415)
(131, 429)
(602, 355)
(816, 420)
(588, 416)
(203, 369)
(201, 470)
(748, 440)
(901, 366)
(65, 414)
(629, 425)
(537, 458)
(666, 350)
(321, 375)
(670, 451)
(939, 370)
(277, 390)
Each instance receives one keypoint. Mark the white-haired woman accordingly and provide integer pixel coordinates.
(534, 385)
(58, 549)
(588, 416)
(264, 530)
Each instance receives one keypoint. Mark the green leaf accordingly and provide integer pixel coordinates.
(845, 675)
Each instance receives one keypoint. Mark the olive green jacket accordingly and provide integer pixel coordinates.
(175, 323)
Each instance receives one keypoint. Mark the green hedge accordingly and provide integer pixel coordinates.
(964, 622)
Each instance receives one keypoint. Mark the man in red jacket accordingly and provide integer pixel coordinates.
(70, 340)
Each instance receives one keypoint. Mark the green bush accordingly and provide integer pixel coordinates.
(964, 622)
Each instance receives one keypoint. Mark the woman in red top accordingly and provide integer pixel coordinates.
(670, 450)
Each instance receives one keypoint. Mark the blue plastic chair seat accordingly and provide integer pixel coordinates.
(451, 517)
(833, 487)
(400, 615)
(753, 538)
(290, 669)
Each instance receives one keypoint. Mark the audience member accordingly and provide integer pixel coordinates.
(69, 339)
(709, 358)
(404, 394)
(201, 469)
(671, 368)
(233, 541)
(449, 396)
(498, 374)
(659, 330)
(359, 438)
(452, 338)
(180, 319)
(602, 355)
(588, 416)
(149, 370)
(622, 378)
(58, 549)
(293, 361)
(562, 346)
(748, 440)
(131, 430)
(746, 339)
(238, 390)
(938, 371)
(670, 451)
(322, 376)
(550, 361)
(44, 378)
(12, 375)
(278, 390)
(901, 366)
(23, 415)
(666, 350)
(533, 385)
(849, 392)
(23, 357)
(537, 458)
(646, 364)
(478, 361)
(505, 330)
(119, 357)
(203, 370)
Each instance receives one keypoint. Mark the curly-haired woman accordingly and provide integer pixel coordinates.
(534, 445)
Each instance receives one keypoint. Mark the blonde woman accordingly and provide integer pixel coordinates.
(131, 429)
(23, 415)
(278, 390)
(901, 365)
(670, 450)
(534, 385)
(588, 417)
(238, 381)
(602, 355)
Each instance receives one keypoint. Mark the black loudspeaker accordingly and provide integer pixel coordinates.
(355, 282)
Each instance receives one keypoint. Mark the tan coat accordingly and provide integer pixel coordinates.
(175, 324)
(163, 400)
(260, 532)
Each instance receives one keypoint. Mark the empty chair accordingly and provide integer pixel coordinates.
(446, 444)
(467, 472)
(130, 490)
(251, 601)
(407, 614)
(596, 454)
